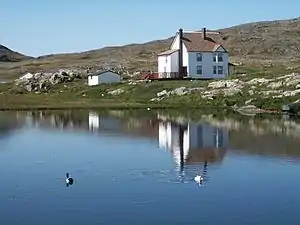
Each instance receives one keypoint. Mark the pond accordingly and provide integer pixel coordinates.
(132, 167)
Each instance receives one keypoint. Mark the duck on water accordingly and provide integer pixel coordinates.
(69, 180)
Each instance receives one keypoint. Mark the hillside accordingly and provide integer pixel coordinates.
(275, 41)
(7, 55)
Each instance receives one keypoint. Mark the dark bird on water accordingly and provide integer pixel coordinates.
(69, 180)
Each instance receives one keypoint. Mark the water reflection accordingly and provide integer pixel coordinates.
(193, 142)
(189, 142)
(136, 176)
(8, 124)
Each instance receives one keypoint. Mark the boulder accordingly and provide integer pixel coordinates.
(116, 92)
(44, 81)
(259, 81)
(234, 83)
(275, 85)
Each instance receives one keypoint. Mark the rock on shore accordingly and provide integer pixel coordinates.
(43, 81)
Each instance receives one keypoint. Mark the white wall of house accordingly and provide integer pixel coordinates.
(93, 80)
(164, 63)
(168, 63)
(208, 65)
(174, 62)
(185, 54)
(104, 78)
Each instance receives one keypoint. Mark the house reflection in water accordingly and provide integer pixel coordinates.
(94, 121)
(105, 123)
(193, 142)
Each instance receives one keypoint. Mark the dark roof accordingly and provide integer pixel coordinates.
(97, 73)
(168, 52)
(194, 42)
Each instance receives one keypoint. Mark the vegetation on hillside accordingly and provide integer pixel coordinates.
(142, 94)
(261, 45)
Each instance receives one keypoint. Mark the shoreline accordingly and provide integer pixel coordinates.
(148, 107)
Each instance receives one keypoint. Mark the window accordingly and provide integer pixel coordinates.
(220, 69)
(199, 69)
(199, 57)
(214, 57)
(214, 70)
(220, 57)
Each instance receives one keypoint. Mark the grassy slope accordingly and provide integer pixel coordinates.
(78, 95)
(258, 45)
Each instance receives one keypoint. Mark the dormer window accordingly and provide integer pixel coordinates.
(199, 57)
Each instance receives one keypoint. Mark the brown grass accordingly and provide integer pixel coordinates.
(260, 44)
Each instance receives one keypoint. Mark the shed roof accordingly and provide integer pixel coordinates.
(98, 73)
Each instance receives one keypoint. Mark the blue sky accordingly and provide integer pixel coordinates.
(39, 27)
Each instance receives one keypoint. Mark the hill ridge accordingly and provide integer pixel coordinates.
(277, 40)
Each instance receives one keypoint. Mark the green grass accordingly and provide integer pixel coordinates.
(77, 94)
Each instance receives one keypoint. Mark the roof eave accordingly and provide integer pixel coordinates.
(173, 40)
(167, 53)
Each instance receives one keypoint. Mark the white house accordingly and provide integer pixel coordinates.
(104, 77)
(194, 55)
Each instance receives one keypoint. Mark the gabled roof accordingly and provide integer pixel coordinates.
(99, 72)
(168, 52)
(194, 42)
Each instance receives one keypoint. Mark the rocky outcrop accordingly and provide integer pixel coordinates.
(42, 82)
(248, 110)
(284, 86)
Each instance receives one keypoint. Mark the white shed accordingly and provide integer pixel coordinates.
(104, 77)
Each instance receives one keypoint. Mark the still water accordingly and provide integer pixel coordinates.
(139, 168)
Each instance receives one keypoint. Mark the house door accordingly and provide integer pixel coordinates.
(184, 71)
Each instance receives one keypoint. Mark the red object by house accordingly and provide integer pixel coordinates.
(149, 76)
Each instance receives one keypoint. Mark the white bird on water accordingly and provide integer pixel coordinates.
(198, 179)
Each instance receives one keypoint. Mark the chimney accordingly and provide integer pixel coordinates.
(204, 33)
(180, 57)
